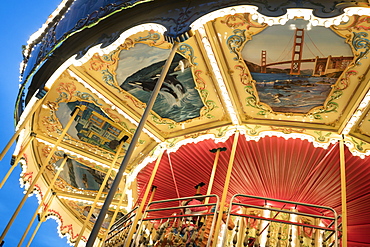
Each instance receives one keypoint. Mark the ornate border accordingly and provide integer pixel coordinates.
(109, 63)
(236, 41)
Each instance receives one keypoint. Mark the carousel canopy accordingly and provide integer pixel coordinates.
(292, 78)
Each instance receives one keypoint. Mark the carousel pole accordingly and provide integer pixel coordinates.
(42, 168)
(50, 188)
(153, 190)
(113, 219)
(213, 173)
(226, 188)
(343, 193)
(18, 158)
(53, 195)
(142, 204)
(130, 150)
(102, 187)
(20, 128)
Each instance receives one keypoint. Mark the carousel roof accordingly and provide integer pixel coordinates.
(292, 81)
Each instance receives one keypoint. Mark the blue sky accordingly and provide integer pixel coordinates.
(19, 19)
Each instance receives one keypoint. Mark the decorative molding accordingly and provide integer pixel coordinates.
(359, 41)
(209, 105)
(235, 42)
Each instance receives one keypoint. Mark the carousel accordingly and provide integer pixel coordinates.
(197, 123)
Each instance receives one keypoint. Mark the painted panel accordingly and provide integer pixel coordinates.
(83, 209)
(83, 177)
(296, 70)
(91, 125)
(138, 71)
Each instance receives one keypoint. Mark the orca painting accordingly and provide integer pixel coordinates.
(138, 73)
(170, 85)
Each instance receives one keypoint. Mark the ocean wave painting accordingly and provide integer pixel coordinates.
(289, 93)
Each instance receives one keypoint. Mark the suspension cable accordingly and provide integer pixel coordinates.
(315, 45)
(285, 52)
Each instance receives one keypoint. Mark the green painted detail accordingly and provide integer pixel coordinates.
(108, 78)
(360, 42)
(172, 142)
(222, 131)
(331, 106)
(253, 131)
(235, 42)
(109, 57)
(209, 105)
(252, 101)
(187, 51)
(281, 230)
(358, 145)
(322, 137)
(125, 126)
(158, 120)
(64, 96)
(86, 97)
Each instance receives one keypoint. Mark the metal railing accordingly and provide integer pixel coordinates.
(119, 230)
(249, 221)
(264, 221)
(173, 222)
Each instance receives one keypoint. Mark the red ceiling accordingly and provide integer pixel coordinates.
(275, 168)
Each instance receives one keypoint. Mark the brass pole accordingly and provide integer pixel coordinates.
(40, 222)
(243, 225)
(116, 212)
(17, 159)
(213, 173)
(226, 187)
(42, 168)
(113, 219)
(20, 128)
(131, 148)
(343, 193)
(141, 207)
(154, 189)
(102, 186)
(50, 188)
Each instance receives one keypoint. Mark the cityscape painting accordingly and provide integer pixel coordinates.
(91, 125)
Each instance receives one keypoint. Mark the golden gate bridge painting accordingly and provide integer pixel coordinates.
(296, 72)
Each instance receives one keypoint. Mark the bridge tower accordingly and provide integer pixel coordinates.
(263, 61)
(295, 68)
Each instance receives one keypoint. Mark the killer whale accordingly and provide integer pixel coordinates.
(170, 85)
